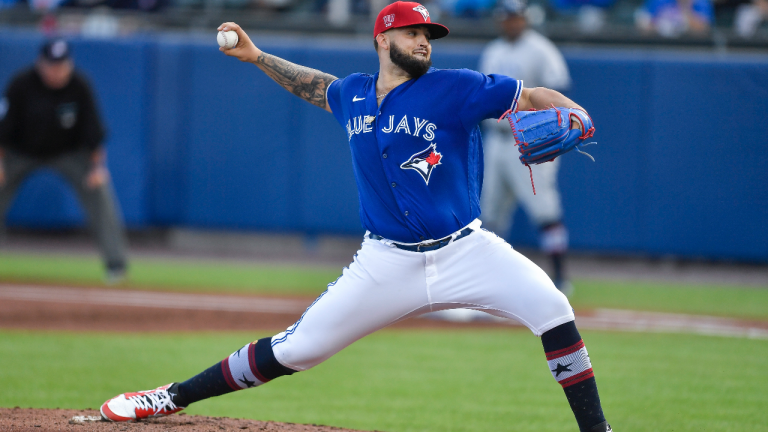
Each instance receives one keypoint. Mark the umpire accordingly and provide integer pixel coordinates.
(49, 119)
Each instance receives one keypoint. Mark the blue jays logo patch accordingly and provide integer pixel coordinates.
(424, 162)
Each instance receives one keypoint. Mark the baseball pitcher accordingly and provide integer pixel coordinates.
(418, 161)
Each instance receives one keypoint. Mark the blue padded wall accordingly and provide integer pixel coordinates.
(707, 158)
(239, 169)
(169, 132)
(199, 139)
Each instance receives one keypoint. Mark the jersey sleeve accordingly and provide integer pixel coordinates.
(333, 95)
(488, 96)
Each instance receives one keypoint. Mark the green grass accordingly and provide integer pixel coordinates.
(399, 381)
(734, 301)
(170, 274)
(198, 275)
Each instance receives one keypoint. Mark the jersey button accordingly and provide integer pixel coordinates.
(384, 155)
(421, 237)
(406, 212)
(394, 184)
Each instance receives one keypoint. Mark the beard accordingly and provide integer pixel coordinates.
(412, 65)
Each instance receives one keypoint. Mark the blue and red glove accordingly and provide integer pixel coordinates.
(543, 135)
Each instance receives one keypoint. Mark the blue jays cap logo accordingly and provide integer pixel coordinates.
(423, 11)
(424, 162)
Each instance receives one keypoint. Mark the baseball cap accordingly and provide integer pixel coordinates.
(512, 7)
(404, 14)
(55, 50)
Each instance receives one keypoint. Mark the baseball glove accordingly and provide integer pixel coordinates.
(543, 135)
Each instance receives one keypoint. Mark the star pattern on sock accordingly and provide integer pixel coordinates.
(561, 368)
(247, 383)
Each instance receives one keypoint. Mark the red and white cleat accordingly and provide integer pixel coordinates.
(131, 407)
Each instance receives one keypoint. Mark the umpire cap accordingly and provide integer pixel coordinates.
(55, 50)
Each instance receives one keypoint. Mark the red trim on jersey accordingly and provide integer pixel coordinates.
(565, 351)
(252, 363)
(587, 374)
(228, 375)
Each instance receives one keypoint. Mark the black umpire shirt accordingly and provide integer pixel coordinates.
(43, 123)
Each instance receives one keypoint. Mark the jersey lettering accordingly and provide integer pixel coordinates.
(364, 124)
(403, 125)
(359, 124)
(388, 129)
(419, 124)
(430, 135)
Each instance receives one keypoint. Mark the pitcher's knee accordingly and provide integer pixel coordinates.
(298, 356)
(551, 309)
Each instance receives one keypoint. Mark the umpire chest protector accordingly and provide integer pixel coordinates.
(418, 160)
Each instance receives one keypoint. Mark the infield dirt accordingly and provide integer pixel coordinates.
(27, 419)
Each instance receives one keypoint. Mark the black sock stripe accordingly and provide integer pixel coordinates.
(208, 383)
(560, 337)
(266, 362)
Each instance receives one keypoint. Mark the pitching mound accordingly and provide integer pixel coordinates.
(28, 419)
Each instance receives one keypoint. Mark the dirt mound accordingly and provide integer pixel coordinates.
(39, 420)
(37, 307)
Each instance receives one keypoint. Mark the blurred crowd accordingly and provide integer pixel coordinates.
(666, 18)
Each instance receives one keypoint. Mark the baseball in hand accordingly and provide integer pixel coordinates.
(227, 39)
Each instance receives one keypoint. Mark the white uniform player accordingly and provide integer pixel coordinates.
(525, 54)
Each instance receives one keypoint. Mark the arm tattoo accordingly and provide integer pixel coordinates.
(306, 83)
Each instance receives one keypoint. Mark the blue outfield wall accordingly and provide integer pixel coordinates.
(200, 140)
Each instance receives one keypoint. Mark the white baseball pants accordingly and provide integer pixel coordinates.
(385, 284)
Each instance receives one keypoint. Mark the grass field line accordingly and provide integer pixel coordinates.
(641, 321)
(597, 319)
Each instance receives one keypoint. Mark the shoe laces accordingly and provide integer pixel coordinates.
(155, 401)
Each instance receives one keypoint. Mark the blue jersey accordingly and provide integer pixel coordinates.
(418, 158)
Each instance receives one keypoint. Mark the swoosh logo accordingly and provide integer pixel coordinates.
(355, 99)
